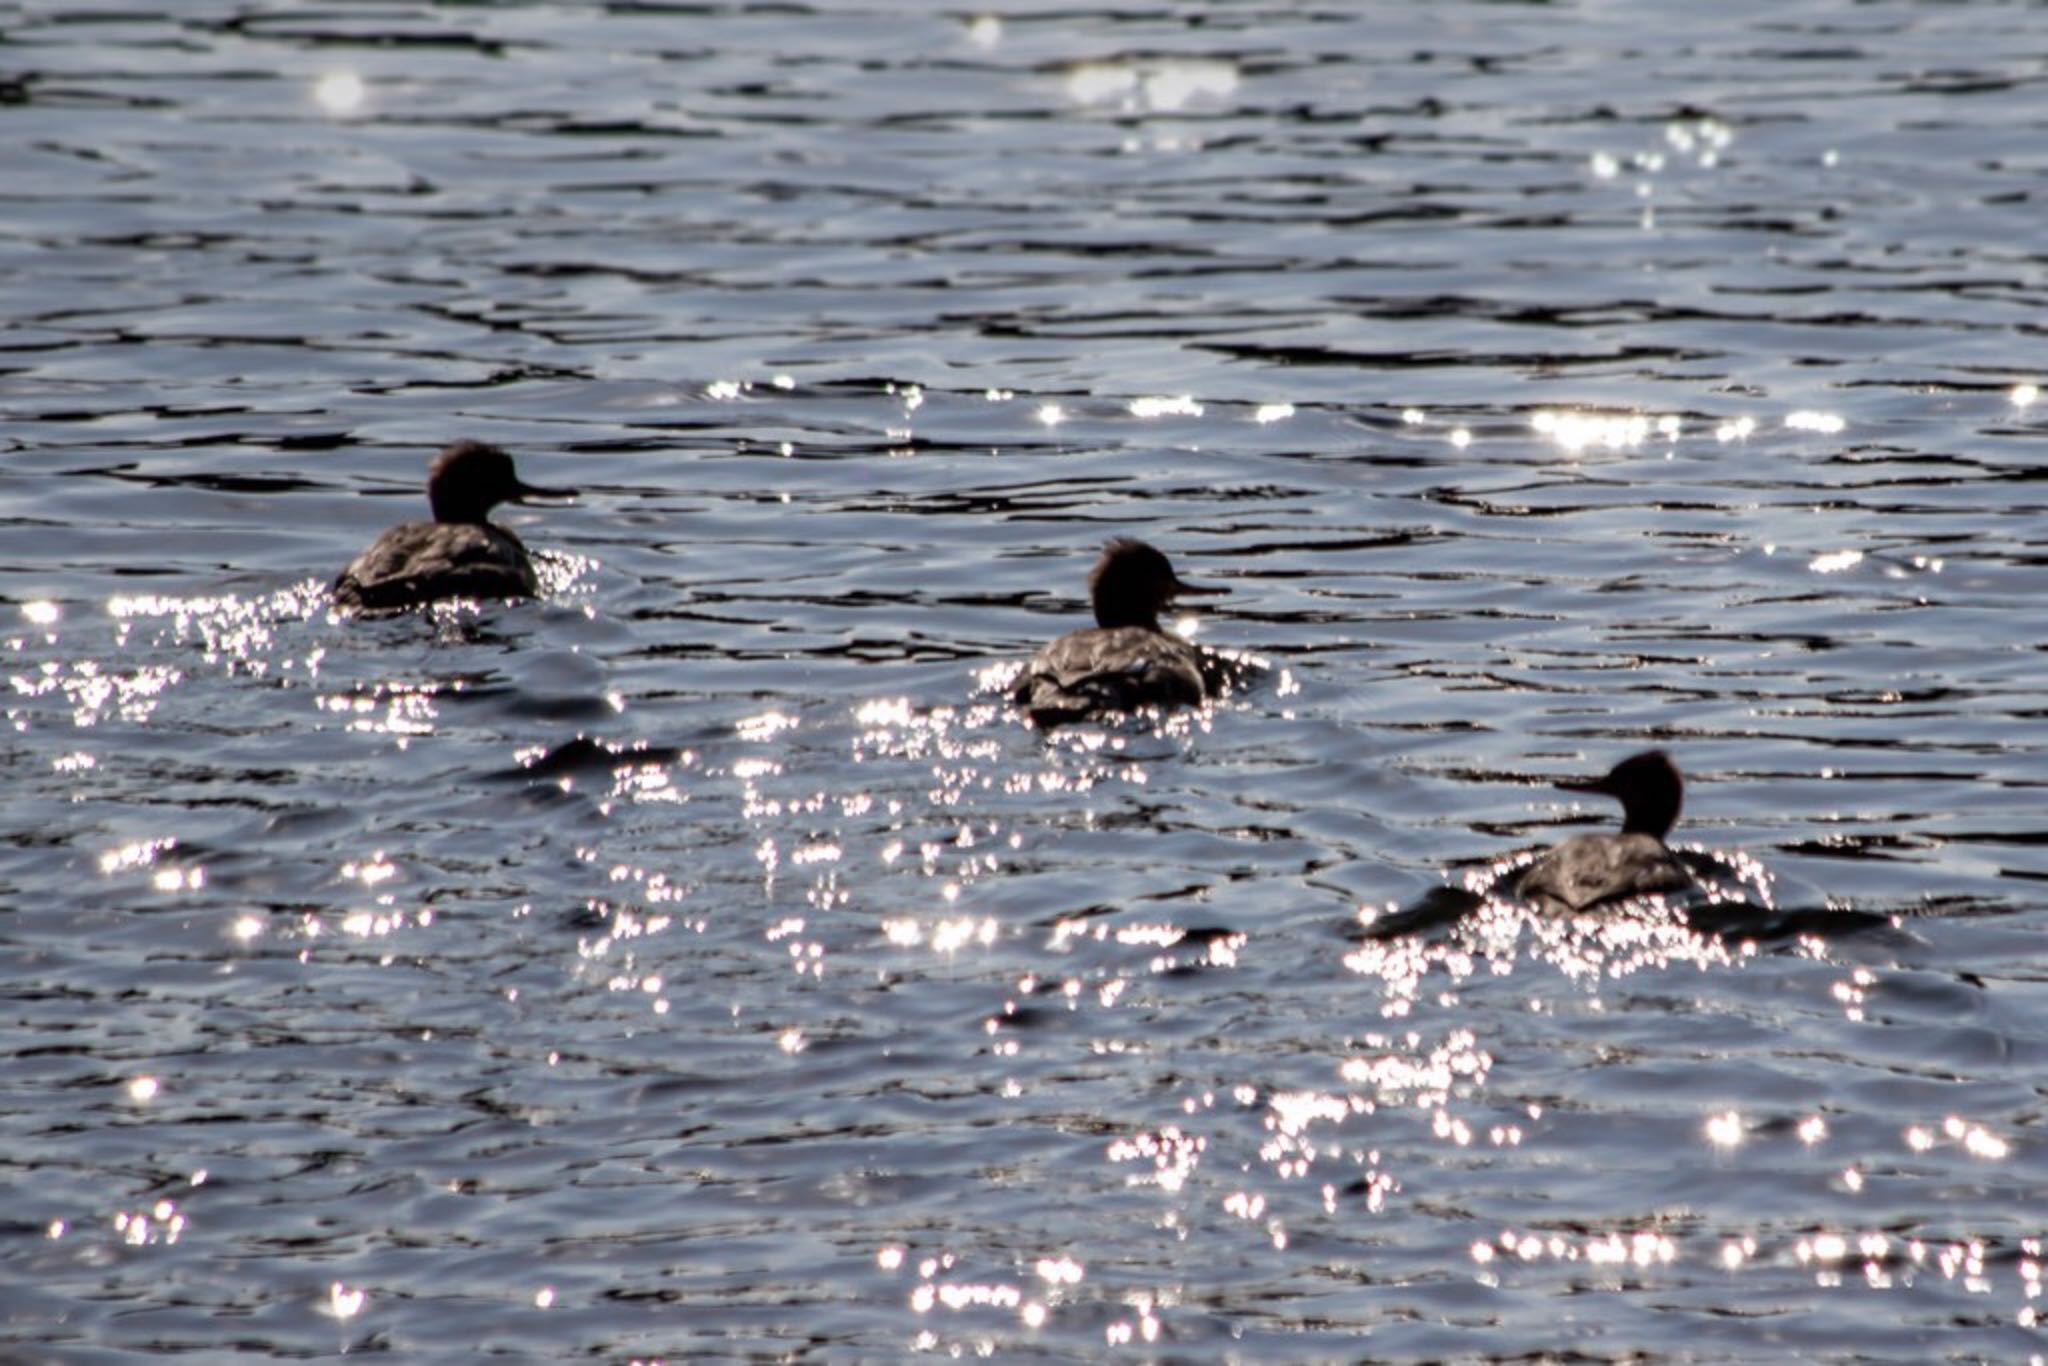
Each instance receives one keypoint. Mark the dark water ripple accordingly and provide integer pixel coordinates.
(702, 962)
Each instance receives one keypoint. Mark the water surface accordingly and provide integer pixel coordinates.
(703, 961)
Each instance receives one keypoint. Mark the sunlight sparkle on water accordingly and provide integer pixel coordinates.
(1835, 561)
(1165, 1159)
(1292, 1112)
(947, 936)
(1701, 138)
(42, 612)
(344, 1303)
(1976, 1140)
(339, 92)
(1267, 413)
(1159, 86)
(1576, 431)
(1176, 83)
(2024, 395)
(178, 879)
(885, 711)
(408, 708)
(956, 1295)
(160, 1223)
(1807, 420)
(370, 924)
(1050, 414)
(1060, 1270)
(1183, 406)
(139, 854)
(1724, 1130)
(764, 726)
(370, 871)
(93, 693)
(1099, 82)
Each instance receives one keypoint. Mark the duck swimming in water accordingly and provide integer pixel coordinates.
(1587, 870)
(460, 554)
(1126, 660)
(1717, 891)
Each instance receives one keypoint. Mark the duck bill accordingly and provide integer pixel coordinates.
(526, 493)
(1595, 785)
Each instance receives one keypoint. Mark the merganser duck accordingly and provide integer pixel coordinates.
(1126, 660)
(1587, 870)
(458, 554)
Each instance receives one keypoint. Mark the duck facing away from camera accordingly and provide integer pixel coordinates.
(1126, 660)
(1587, 870)
(460, 554)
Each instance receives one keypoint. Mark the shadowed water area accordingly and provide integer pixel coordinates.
(703, 959)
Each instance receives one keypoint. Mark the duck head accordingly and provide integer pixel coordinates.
(1648, 787)
(469, 478)
(1132, 582)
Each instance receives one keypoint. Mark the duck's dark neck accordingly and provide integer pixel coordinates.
(461, 511)
(1650, 815)
(1114, 614)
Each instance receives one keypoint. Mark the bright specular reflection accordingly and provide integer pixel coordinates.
(93, 695)
(1161, 86)
(1575, 431)
(1807, 420)
(344, 1302)
(1700, 142)
(390, 707)
(1183, 406)
(339, 93)
(1704, 139)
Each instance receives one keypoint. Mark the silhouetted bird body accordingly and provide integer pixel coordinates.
(1126, 661)
(460, 554)
(1587, 870)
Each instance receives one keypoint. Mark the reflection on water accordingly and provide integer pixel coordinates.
(1164, 86)
(704, 959)
(339, 93)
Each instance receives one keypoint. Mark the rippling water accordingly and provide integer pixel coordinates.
(703, 961)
